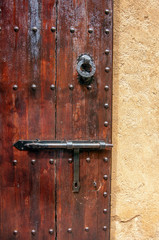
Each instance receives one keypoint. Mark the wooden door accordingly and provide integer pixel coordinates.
(42, 96)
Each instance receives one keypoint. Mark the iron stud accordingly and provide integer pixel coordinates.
(106, 88)
(106, 105)
(70, 160)
(105, 211)
(33, 161)
(16, 28)
(51, 231)
(15, 232)
(90, 30)
(0, 10)
(33, 232)
(52, 87)
(105, 228)
(105, 194)
(105, 177)
(105, 159)
(71, 87)
(15, 87)
(107, 51)
(34, 29)
(53, 29)
(88, 160)
(89, 87)
(0, 28)
(15, 162)
(87, 229)
(107, 69)
(72, 30)
(51, 161)
(33, 86)
(69, 230)
(106, 11)
(106, 124)
(107, 31)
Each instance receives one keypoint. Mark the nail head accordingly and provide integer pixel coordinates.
(89, 87)
(106, 124)
(52, 87)
(51, 231)
(88, 160)
(105, 211)
(105, 228)
(33, 86)
(107, 69)
(15, 87)
(107, 51)
(106, 88)
(34, 29)
(15, 162)
(71, 87)
(33, 161)
(72, 30)
(70, 160)
(106, 11)
(106, 105)
(107, 31)
(69, 230)
(90, 30)
(105, 159)
(33, 232)
(105, 177)
(16, 28)
(15, 232)
(87, 229)
(51, 161)
(53, 29)
(105, 194)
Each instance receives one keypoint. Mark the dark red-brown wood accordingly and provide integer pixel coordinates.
(39, 196)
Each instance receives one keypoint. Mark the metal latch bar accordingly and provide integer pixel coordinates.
(27, 145)
(76, 182)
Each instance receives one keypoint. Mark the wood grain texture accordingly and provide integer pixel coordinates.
(39, 196)
(81, 115)
(27, 190)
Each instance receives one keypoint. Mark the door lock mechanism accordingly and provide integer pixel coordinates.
(26, 145)
(86, 68)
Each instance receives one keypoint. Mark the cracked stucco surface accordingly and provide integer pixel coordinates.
(135, 166)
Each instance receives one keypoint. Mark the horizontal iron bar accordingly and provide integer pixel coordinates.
(25, 145)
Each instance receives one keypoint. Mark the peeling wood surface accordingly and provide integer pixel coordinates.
(39, 196)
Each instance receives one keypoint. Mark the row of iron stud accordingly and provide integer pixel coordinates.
(71, 87)
(105, 177)
(86, 229)
(72, 30)
(33, 232)
(51, 231)
(51, 161)
(53, 29)
(52, 87)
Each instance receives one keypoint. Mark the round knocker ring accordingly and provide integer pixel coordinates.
(85, 68)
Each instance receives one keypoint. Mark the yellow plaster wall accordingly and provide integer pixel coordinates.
(135, 165)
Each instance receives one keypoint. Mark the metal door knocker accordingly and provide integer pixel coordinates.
(85, 68)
